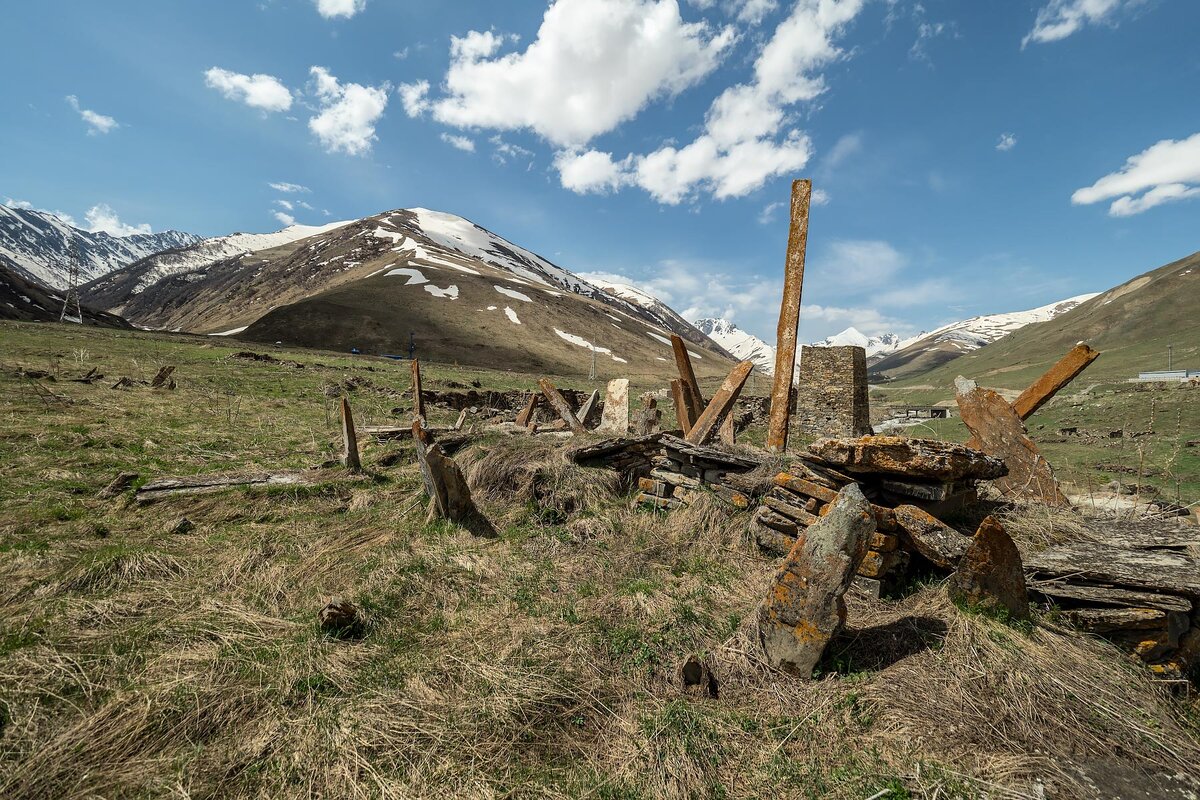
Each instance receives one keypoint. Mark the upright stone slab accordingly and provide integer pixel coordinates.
(990, 574)
(615, 418)
(789, 318)
(805, 607)
(831, 393)
(999, 432)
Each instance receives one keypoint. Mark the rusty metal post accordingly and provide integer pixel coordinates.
(789, 318)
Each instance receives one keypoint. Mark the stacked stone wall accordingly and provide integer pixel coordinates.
(831, 393)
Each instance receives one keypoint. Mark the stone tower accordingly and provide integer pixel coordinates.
(831, 395)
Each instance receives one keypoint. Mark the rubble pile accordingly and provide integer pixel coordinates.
(680, 471)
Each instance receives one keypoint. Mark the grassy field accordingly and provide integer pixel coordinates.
(138, 662)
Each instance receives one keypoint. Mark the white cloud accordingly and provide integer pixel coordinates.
(97, 123)
(348, 113)
(401, 54)
(28, 206)
(744, 143)
(507, 150)
(861, 263)
(820, 197)
(590, 171)
(414, 97)
(102, 218)
(753, 11)
(265, 92)
(1166, 171)
(304, 205)
(1061, 18)
(459, 142)
(1006, 142)
(284, 219)
(329, 9)
(286, 204)
(769, 212)
(288, 188)
(594, 65)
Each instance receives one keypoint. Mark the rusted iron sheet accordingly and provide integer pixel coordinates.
(560, 405)
(1055, 378)
(721, 404)
(789, 318)
(693, 400)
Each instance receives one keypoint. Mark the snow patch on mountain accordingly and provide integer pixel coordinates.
(874, 345)
(971, 334)
(744, 346)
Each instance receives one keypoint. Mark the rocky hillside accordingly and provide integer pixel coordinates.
(29, 301)
(1131, 325)
(927, 352)
(37, 246)
(463, 293)
(742, 344)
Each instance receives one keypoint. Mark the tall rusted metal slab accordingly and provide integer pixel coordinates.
(789, 318)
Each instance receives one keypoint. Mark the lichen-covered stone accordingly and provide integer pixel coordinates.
(990, 575)
(932, 538)
(900, 455)
(805, 606)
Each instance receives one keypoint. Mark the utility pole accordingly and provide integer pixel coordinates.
(592, 374)
(72, 296)
(1170, 347)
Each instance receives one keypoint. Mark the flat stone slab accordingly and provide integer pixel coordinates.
(900, 455)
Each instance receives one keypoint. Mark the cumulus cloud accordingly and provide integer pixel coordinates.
(284, 219)
(330, 9)
(285, 204)
(97, 123)
(590, 171)
(1164, 172)
(101, 218)
(348, 114)
(1006, 142)
(1061, 18)
(746, 139)
(289, 188)
(593, 65)
(459, 142)
(265, 92)
(414, 97)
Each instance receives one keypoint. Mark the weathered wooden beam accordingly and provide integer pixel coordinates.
(681, 410)
(350, 439)
(1054, 379)
(418, 400)
(560, 405)
(721, 403)
(693, 400)
(526, 416)
(162, 378)
(462, 418)
(789, 319)
(208, 484)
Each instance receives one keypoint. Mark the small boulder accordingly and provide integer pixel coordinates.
(932, 538)
(805, 606)
(990, 575)
(339, 618)
(182, 525)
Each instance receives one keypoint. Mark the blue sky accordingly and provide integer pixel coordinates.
(970, 157)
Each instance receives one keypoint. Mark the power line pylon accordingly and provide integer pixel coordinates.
(72, 296)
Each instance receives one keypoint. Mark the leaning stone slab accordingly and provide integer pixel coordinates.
(990, 574)
(932, 538)
(899, 455)
(805, 607)
(998, 429)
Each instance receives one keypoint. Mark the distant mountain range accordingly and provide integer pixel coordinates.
(37, 246)
(462, 293)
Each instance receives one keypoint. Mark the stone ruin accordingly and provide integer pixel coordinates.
(831, 395)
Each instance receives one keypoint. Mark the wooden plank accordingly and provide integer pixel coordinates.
(462, 417)
(560, 405)
(418, 398)
(1109, 596)
(349, 439)
(526, 416)
(789, 319)
(209, 484)
(693, 401)
(721, 403)
(1054, 379)
(682, 415)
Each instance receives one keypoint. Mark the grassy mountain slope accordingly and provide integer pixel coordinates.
(23, 299)
(1131, 325)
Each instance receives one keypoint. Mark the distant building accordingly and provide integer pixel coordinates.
(919, 412)
(1167, 375)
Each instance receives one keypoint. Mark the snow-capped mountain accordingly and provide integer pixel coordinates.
(874, 345)
(144, 273)
(948, 342)
(742, 345)
(37, 245)
(462, 293)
